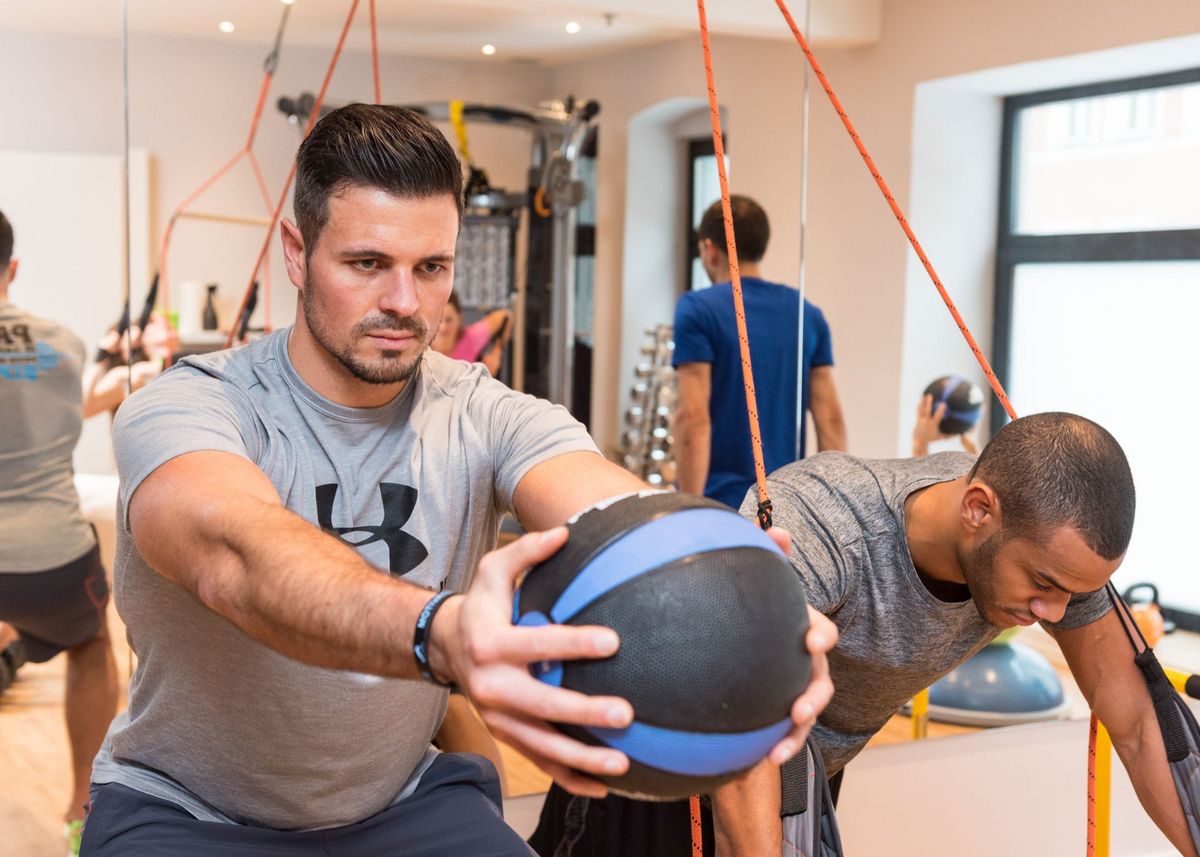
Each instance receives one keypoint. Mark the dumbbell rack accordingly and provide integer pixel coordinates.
(647, 440)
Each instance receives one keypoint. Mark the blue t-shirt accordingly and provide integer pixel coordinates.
(706, 332)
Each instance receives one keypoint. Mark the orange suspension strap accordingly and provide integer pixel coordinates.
(1098, 743)
(270, 64)
(896, 210)
(739, 308)
(697, 830)
(375, 55)
(287, 185)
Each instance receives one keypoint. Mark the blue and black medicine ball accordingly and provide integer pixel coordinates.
(963, 401)
(712, 620)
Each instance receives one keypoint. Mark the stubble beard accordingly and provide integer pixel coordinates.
(979, 569)
(390, 367)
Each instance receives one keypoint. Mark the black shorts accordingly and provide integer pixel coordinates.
(58, 609)
(454, 812)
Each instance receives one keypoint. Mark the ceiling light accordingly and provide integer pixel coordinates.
(488, 50)
(288, 2)
(573, 27)
(225, 26)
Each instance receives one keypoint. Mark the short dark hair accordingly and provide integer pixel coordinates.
(453, 301)
(751, 229)
(6, 240)
(1057, 469)
(371, 145)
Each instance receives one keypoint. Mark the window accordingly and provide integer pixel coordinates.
(704, 188)
(1098, 290)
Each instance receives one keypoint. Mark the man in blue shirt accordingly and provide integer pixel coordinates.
(712, 432)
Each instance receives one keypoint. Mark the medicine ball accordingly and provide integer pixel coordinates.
(712, 621)
(963, 401)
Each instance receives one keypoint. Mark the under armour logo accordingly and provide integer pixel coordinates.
(404, 551)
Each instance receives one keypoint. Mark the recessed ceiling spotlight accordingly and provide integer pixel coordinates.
(573, 27)
(288, 2)
(488, 50)
(225, 26)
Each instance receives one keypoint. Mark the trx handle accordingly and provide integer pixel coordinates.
(793, 785)
(1165, 700)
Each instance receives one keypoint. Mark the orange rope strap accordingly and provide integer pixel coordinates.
(896, 210)
(739, 308)
(697, 830)
(962, 326)
(269, 67)
(375, 55)
(1093, 736)
(287, 185)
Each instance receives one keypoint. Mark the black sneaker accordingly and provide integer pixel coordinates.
(10, 661)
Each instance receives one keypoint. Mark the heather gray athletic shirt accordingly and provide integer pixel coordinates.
(846, 518)
(232, 730)
(41, 411)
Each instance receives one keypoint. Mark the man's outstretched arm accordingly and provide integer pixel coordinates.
(693, 426)
(1101, 660)
(213, 523)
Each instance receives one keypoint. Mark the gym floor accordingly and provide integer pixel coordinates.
(33, 743)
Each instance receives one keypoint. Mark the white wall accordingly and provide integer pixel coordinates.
(656, 218)
(956, 157)
(191, 101)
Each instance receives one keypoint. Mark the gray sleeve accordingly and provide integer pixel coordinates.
(1084, 608)
(522, 431)
(815, 555)
(180, 412)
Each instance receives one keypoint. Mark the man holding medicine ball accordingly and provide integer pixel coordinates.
(295, 519)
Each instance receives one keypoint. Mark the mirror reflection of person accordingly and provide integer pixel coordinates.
(53, 587)
(712, 436)
(480, 342)
(928, 429)
(108, 381)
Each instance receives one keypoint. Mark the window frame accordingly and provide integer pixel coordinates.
(699, 147)
(1013, 248)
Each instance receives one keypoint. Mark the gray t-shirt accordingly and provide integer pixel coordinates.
(846, 519)
(231, 729)
(41, 399)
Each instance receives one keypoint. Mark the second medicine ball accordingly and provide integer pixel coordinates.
(712, 621)
(963, 401)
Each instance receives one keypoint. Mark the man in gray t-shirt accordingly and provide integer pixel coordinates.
(920, 563)
(297, 520)
(900, 629)
(53, 587)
